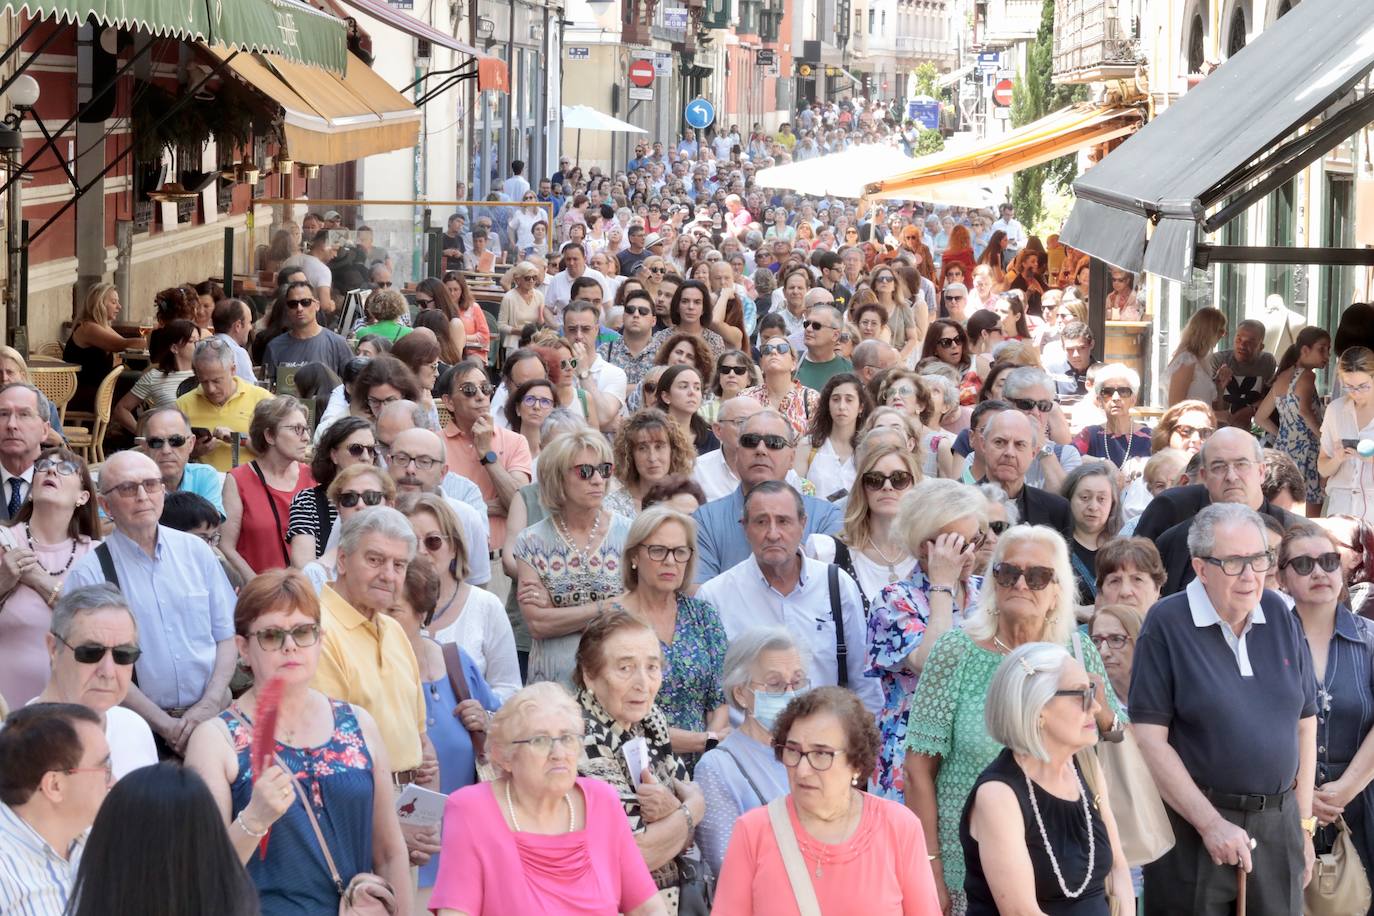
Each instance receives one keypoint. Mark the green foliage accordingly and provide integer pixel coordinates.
(929, 141)
(927, 80)
(1035, 95)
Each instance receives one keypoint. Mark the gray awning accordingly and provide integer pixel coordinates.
(1233, 132)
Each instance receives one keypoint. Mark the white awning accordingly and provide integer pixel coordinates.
(839, 174)
(584, 117)
(954, 76)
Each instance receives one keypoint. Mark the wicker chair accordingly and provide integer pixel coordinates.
(91, 442)
(51, 348)
(57, 387)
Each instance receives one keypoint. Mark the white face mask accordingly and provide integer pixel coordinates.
(768, 706)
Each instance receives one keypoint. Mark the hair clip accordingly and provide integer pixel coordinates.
(1030, 669)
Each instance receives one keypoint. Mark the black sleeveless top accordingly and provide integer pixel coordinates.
(1067, 832)
(94, 364)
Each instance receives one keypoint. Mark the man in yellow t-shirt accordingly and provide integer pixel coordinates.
(221, 403)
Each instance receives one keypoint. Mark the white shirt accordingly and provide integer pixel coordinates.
(498, 409)
(744, 600)
(1205, 615)
(1016, 233)
(610, 379)
(316, 271)
(130, 740)
(515, 187)
(713, 474)
(560, 292)
(483, 631)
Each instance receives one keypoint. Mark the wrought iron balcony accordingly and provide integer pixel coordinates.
(1092, 42)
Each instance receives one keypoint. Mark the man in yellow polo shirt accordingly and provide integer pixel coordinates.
(221, 403)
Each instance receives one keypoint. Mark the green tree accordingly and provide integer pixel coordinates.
(929, 141)
(1035, 95)
(927, 80)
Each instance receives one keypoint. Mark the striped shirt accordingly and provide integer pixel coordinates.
(34, 879)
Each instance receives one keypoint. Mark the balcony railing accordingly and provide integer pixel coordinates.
(1011, 20)
(1090, 42)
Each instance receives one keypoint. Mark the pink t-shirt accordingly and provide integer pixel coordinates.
(488, 869)
(885, 856)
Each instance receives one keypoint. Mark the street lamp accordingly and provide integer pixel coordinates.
(23, 95)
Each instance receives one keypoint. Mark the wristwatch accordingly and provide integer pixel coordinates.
(711, 740)
(488, 458)
(1047, 450)
(1309, 824)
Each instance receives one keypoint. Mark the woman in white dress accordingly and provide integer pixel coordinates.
(828, 461)
(1189, 375)
(1349, 419)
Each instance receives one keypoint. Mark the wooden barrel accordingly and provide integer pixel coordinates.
(1128, 343)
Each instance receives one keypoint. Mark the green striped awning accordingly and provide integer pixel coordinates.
(287, 28)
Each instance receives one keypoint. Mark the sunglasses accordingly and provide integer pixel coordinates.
(1029, 404)
(1188, 432)
(1303, 566)
(1124, 390)
(349, 498)
(948, 342)
(815, 326)
(157, 442)
(273, 638)
(91, 653)
(1086, 695)
(874, 480)
(299, 303)
(998, 527)
(357, 450)
(469, 390)
(769, 441)
(638, 310)
(423, 303)
(385, 284)
(781, 346)
(734, 370)
(1037, 577)
(658, 270)
(59, 466)
(588, 471)
(433, 543)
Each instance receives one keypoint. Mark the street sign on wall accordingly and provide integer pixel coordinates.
(675, 18)
(642, 73)
(576, 53)
(639, 94)
(1002, 93)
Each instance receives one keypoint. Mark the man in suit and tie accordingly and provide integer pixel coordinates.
(1010, 441)
(23, 427)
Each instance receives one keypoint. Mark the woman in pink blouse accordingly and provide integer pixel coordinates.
(847, 840)
(540, 839)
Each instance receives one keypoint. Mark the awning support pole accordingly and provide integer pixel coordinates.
(1261, 254)
(19, 42)
(28, 61)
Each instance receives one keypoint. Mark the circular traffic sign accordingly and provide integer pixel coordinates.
(642, 73)
(1001, 93)
(699, 114)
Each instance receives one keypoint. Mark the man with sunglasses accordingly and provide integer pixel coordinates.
(1223, 704)
(92, 645)
(633, 352)
(821, 329)
(179, 594)
(305, 340)
(164, 435)
(417, 462)
(1031, 391)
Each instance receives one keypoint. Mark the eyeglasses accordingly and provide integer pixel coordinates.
(780, 347)
(638, 310)
(885, 278)
(1124, 390)
(130, 488)
(349, 498)
(62, 467)
(543, 744)
(948, 342)
(385, 284)
(954, 298)
(998, 527)
(358, 450)
(588, 471)
(92, 652)
(300, 429)
(1116, 641)
(1241, 467)
(900, 480)
(815, 326)
(299, 303)
(376, 404)
(107, 768)
(658, 553)
(1037, 578)
(820, 760)
(777, 686)
(533, 401)
(273, 638)
(423, 462)
(433, 543)
(1188, 432)
(1086, 695)
(1303, 566)
(1030, 404)
(469, 390)
(1234, 566)
(209, 537)
(1360, 389)
(773, 443)
(155, 443)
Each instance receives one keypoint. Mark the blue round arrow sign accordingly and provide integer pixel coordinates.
(699, 114)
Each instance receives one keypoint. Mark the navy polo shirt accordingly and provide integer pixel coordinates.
(1234, 733)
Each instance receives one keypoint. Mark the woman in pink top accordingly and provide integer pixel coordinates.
(861, 854)
(540, 839)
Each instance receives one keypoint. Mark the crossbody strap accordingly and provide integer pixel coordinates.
(739, 764)
(276, 516)
(841, 649)
(786, 837)
(107, 567)
(453, 666)
(314, 825)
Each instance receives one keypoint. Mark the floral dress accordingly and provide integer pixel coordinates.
(337, 778)
(799, 405)
(896, 627)
(603, 759)
(947, 722)
(1296, 438)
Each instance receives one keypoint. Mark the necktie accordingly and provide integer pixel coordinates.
(16, 497)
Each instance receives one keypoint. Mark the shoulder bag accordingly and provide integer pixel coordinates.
(807, 902)
(367, 894)
(453, 666)
(1339, 885)
(1141, 820)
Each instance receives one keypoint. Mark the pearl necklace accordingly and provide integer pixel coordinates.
(1107, 447)
(585, 554)
(1044, 838)
(567, 799)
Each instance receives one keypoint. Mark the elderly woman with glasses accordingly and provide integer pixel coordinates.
(1030, 599)
(540, 838)
(352, 490)
(568, 563)
(258, 495)
(627, 743)
(311, 517)
(1114, 629)
(56, 526)
(657, 567)
(1035, 837)
(857, 849)
(329, 754)
(764, 671)
(943, 524)
(1120, 440)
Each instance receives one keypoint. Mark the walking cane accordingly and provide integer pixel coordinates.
(1240, 890)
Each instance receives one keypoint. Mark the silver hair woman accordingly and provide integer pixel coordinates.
(765, 669)
(1032, 837)
(943, 522)
(1027, 596)
(1118, 439)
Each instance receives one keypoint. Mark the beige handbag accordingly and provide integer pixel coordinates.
(1339, 885)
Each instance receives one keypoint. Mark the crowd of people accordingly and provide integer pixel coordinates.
(757, 556)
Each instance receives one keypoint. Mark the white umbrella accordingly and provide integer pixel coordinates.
(584, 117)
(837, 175)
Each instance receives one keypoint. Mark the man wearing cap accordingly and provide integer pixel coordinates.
(632, 257)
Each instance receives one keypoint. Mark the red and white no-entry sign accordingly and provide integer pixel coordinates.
(642, 73)
(1001, 93)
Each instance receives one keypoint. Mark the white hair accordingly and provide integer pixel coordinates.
(744, 651)
(1202, 533)
(1022, 686)
(934, 503)
(1115, 371)
(1059, 620)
